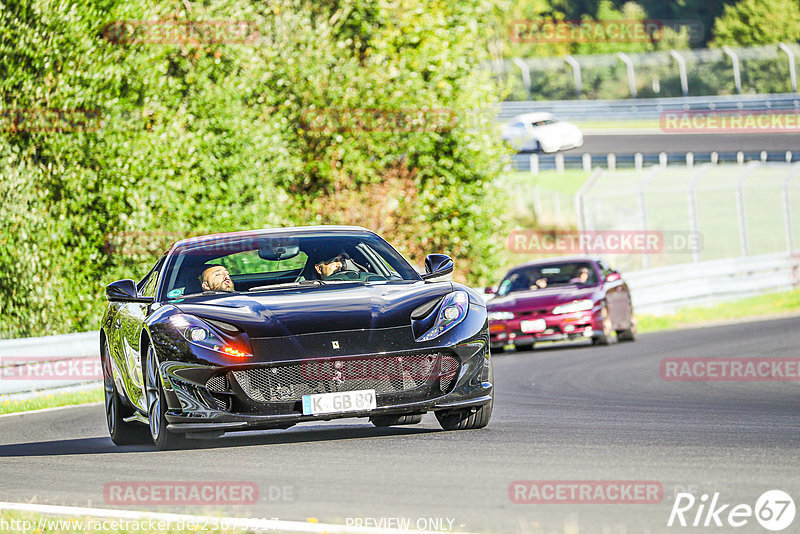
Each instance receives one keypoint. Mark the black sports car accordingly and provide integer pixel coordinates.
(266, 329)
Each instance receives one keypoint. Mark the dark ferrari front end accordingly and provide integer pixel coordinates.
(246, 362)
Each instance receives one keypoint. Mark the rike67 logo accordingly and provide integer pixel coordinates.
(774, 510)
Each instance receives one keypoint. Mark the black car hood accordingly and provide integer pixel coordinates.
(331, 308)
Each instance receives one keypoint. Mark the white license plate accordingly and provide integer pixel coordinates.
(342, 401)
(536, 325)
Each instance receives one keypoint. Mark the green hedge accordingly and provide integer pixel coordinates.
(159, 140)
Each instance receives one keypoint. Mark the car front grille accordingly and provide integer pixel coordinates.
(384, 374)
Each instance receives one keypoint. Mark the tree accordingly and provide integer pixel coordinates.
(754, 22)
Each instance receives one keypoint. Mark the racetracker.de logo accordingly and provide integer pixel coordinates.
(602, 242)
(546, 30)
(50, 368)
(730, 369)
(51, 120)
(189, 493)
(733, 121)
(181, 32)
(377, 120)
(586, 492)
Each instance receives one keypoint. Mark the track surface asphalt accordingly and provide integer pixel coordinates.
(561, 413)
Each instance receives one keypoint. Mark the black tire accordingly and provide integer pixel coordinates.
(394, 420)
(468, 419)
(157, 407)
(605, 337)
(629, 334)
(121, 433)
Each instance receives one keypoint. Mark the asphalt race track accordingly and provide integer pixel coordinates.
(573, 413)
(651, 143)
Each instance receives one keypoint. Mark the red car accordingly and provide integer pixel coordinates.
(560, 299)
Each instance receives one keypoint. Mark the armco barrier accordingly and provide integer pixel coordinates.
(667, 289)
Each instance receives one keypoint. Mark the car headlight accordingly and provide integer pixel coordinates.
(574, 306)
(452, 311)
(500, 316)
(197, 332)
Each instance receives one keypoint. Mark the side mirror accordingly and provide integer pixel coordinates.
(437, 265)
(488, 290)
(613, 277)
(124, 290)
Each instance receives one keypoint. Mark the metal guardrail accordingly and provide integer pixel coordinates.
(667, 289)
(66, 349)
(535, 162)
(648, 108)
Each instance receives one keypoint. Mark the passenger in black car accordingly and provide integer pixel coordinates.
(216, 278)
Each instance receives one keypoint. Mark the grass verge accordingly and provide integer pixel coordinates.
(748, 308)
(49, 399)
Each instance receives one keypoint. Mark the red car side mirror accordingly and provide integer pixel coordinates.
(488, 291)
(612, 277)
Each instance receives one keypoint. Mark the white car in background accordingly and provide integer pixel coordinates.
(541, 132)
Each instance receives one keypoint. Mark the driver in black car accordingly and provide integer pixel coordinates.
(216, 278)
(331, 266)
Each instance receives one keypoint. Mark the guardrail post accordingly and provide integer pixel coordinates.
(534, 164)
(681, 71)
(714, 158)
(792, 72)
(611, 161)
(662, 159)
(737, 75)
(526, 74)
(740, 157)
(787, 207)
(576, 73)
(631, 72)
(763, 156)
(690, 159)
(788, 156)
(638, 161)
(587, 162)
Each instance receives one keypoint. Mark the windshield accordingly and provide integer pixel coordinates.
(265, 262)
(536, 277)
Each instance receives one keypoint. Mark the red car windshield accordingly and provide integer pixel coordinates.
(534, 277)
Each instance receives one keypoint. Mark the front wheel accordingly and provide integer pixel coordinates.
(470, 418)
(629, 334)
(605, 337)
(157, 407)
(121, 433)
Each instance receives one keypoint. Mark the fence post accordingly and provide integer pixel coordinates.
(787, 207)
(580, 205)
(681, 71)
(559, 163)
(534, 164)
(743, 243)
(792, 71)
(611, 161)
(631, 72)
(576, 73)
(662, 159)
(737, 75)
(526, 74)
(638, 160)
(690, 159)
(643, 206)
(694, 223)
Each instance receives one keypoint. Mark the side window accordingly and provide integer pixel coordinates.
(149, 287)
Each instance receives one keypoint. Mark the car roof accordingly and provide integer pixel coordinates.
(551, 261)
(533, 117)
(332, 229)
